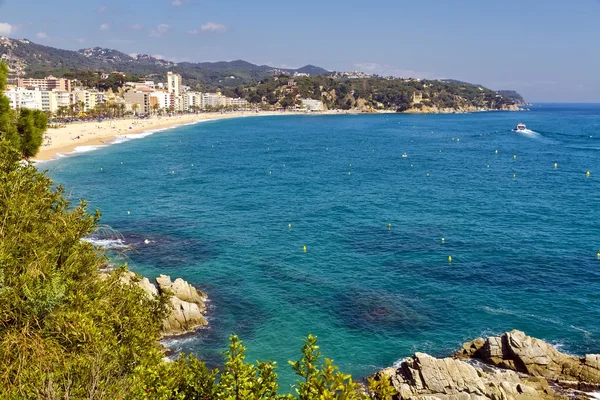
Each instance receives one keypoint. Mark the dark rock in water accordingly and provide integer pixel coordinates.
(520, 368)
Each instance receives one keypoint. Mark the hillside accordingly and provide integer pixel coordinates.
(370, 94)
(26, 58)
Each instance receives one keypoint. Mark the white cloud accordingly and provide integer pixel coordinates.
(6, 28)
(133, 55)
(80, 40)
(193, 31)
(160, 30)
(104, 27)
(101, 9)
(42, 35)
(136, 27)
(158, 56)
(213, 27)
(176, 3)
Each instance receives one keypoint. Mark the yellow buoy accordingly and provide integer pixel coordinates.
(514, 175)
(290, 226)
(389, 226)
(496, 151)
(450, 259)
(270, 172)
(598, 254)
(304, 249)
(555, 165)
(587, 173)
(101, 169)
(128, 213)
(443, 240)
(452, 138)
(515, 156)
(427, 174)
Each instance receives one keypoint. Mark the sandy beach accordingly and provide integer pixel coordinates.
(68, 138)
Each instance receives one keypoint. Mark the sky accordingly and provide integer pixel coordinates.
(547, 50)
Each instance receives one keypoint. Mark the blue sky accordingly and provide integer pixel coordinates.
(548, 50)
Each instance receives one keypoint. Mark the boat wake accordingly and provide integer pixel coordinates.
(527, 132)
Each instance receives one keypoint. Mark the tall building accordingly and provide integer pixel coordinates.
(48, 83)
(174, 83)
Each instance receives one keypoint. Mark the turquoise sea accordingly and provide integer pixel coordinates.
(212, 203)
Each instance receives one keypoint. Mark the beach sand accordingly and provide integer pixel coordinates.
(66, 139)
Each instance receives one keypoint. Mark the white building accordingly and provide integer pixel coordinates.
(237, 103)
(312, 105)
(174, 83)
(194, 100)
(163, 99)
(213, 100)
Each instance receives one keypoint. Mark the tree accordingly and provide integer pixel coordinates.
(31, 126)
(23, 130)
(67, 330)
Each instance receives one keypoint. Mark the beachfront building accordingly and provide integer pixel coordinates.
(213, 100)
(174, 83)
(312, 105)
(138, 102)
(162, 99)
(237, 103)
(89, 98)
(24, 98)
(48, 83)
(194, 101)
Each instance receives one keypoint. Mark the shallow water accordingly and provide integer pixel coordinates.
(211, 203)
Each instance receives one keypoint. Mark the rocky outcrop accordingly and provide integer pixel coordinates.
(187, 304)
(518, 352)
(425, 377)
(510, 366)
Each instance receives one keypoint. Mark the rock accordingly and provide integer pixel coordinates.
(424, 377)
(181, 289)
(518, 352)
(186, 302)
(184, 318)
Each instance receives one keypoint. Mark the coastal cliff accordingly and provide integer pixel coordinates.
(510, 366)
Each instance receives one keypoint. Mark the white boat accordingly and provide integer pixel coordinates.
(520, 127)
(404, 155)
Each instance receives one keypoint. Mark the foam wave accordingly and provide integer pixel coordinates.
(86, 149)
(106, 243)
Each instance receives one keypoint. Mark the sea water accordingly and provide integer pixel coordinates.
(230, 205)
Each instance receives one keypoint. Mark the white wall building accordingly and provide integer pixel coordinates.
(312, 105)
(174, 83)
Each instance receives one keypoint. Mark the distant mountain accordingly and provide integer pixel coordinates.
(26, 58)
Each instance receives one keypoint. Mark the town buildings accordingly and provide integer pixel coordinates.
(141, 98)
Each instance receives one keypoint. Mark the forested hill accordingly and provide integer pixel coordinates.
(26, 58)
(370, 94)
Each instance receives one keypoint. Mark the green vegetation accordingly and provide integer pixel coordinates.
(25, 129)
(370, 93)
(69, 330)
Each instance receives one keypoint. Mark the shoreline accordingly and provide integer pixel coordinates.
(86, 136)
